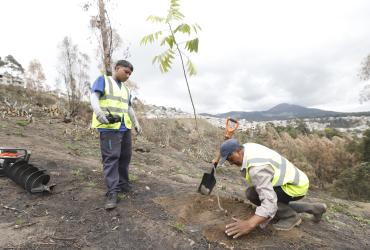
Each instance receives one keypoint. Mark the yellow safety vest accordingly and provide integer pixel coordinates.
(292, 180)
(115, 100)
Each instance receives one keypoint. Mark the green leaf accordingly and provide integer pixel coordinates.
(174, 14)
(192, 45)
(156, 58)
(174, 4)
(184, 28)
(191, 68)
(177, 15)
(150, 38)
(196, 27)
(156, 19)
(169, 40)
(164, 60)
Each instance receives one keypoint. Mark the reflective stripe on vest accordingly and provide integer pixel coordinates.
(115, 101)
(282, 167)
(292, 180)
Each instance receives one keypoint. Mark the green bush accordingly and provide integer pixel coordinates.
(365, 146)
(294, 131)
(353, 183)
(22, 123)
(331, 132)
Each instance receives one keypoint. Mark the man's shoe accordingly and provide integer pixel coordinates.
(319, 210)
(111, 201)
(288, 223)
(316, 209)
(126, 188)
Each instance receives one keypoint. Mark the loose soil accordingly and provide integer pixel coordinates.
(163, 212)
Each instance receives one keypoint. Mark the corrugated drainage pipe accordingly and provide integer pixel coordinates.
(26, 175)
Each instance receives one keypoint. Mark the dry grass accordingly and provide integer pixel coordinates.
(322, 159)
(42, 103)
(182, 135)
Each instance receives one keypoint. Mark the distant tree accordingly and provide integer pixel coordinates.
(35, 76)
(83, 86)
(168, 38)
(109, 41)
(12, 60)
(2, 63)
(365, 76)
(73, 70)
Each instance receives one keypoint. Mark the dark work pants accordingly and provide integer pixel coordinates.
(282, 197)
(284, 210)
(116, 152)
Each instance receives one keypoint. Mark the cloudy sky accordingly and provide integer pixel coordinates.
(253, 54)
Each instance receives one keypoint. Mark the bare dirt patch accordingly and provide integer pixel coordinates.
(203, 213)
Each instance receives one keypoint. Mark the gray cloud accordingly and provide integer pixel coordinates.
(252, 55)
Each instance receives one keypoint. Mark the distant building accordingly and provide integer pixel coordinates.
(8, 79)
(11, 72)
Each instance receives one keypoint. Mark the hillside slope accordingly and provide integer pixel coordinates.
(163, 212)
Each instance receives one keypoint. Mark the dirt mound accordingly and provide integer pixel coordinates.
(203, 214)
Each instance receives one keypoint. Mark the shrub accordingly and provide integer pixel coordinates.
(331, 132)
(365, 146)
(321, 158)
(353, 183)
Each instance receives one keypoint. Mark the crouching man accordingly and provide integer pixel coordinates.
(274, 186)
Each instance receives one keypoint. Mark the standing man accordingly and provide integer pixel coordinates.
(273, 184)
(110, 95)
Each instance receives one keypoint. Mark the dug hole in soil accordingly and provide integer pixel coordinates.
(204, 214)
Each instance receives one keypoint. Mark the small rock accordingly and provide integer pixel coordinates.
(147, 188)
(191, 242)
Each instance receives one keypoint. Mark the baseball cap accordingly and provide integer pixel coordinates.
(227, 148)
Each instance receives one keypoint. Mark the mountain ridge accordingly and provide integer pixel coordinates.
(284, 111)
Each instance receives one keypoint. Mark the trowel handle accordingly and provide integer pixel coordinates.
(217, 160)
(229, 131)
(214, 168)
(233, 120)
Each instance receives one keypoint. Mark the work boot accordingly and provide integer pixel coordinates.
(125, 188)
(111, 201)
(288, 218)
(316, 209)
